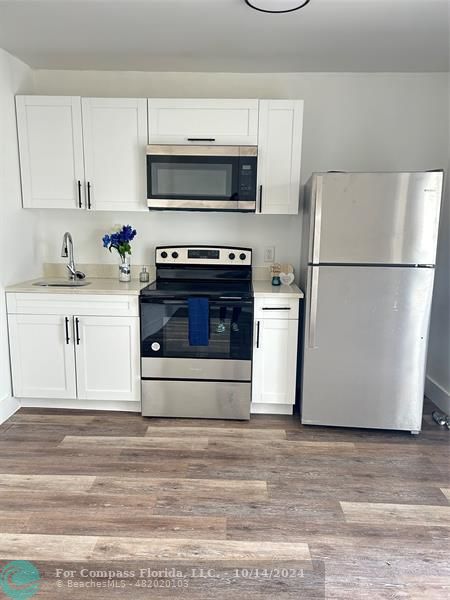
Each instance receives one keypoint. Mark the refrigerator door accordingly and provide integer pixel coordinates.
(375, 218)
(365, 345)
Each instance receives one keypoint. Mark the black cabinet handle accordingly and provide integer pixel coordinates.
(276, 308)
(260, 198)
(257, 334)
(201, 139)
(67, 329)
(77, 330)
(80, 204)
(89, 195)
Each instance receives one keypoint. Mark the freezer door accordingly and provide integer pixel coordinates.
(365, 344)
(375, 218)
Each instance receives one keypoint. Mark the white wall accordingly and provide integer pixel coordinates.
(352, 122)
(17, 232)
(438, 372)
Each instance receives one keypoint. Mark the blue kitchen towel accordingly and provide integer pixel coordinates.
(198, 311)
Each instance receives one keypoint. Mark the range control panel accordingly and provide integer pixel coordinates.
(203, 255)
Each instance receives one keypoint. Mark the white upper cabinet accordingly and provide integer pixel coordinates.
(279, 155)
(85, 154)
(115, 137)
(90, 153)
(51, 151)
(203, 121)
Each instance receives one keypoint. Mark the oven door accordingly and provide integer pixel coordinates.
(165, 330)
(201, 178)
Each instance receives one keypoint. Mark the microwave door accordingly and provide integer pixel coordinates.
(192, 182)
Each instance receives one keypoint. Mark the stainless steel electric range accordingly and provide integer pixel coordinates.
(181, 378)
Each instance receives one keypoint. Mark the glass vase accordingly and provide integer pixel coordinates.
(124, 269)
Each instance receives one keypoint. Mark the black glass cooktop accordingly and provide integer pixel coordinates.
(163, 288)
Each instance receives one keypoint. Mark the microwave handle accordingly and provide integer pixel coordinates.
(201, 139)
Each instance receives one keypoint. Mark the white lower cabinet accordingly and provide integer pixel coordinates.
(74, 355)
(274, 365)
(42, 360)
(107, 358)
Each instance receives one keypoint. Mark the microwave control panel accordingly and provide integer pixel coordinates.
(247, 178)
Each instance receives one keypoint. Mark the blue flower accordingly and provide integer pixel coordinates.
(120, 239)
(127, 233)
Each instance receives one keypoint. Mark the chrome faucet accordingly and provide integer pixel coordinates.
(67, 252)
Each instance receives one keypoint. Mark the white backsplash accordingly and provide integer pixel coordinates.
(108, 271)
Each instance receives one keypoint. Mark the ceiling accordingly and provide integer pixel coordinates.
(226, 35)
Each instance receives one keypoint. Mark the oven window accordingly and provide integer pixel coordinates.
(165, 331)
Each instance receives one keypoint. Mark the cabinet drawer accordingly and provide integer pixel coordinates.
(71, 304)
(190, 121)
(276, 308)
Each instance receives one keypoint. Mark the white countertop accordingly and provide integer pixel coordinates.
(108, 286)
(265, 288)
(112, 286)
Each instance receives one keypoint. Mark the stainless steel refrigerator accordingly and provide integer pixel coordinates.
(369, 249)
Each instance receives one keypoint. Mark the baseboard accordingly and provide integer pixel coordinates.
(8, 406)
(80, 404)
(437, 394)
(271, 409)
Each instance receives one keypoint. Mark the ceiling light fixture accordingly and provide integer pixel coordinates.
(284, 6)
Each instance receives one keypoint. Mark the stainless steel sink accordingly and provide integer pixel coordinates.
(66, 283)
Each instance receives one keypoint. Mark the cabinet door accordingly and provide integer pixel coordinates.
(115, 137)
(51, 151)
(42, 356)
(107, 358)
(190, 121)
(275, 361)
(279, 155)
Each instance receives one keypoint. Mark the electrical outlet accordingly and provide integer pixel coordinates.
(269, 254)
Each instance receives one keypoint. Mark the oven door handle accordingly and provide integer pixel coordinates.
(224, 301)
(183, 301)
(148, 300)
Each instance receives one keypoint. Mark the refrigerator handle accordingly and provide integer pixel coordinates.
(313, 307)
(317, 222)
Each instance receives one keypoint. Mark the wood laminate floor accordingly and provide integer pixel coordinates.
(133, 508)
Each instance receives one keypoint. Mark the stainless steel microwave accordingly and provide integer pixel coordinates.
(220, 178)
